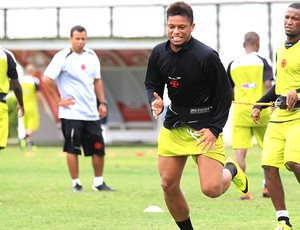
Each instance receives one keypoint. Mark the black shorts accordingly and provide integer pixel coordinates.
(85, 134)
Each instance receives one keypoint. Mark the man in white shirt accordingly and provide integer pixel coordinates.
(76, 72)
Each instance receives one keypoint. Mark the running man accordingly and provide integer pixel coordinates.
(200, 96)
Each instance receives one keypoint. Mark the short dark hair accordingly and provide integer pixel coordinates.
(295, 5)
(181, 8)
(251, 38)
(77, 28)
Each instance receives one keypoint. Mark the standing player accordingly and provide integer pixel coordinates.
(251, 77)
(8, 74)
(76, 71)
(281, 146)
(32, 95)
(200, 96)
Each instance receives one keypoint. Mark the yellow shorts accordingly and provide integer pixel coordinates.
(281, 144)
(242, 137)
(181, 142)
(3, 124)
(31, 120)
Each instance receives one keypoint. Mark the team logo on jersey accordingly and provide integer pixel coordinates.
(83, 66)
(249, 85)
(174, 82)
(283, 63)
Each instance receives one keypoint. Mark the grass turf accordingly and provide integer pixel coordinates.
(36, 193)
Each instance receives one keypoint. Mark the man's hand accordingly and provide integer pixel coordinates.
(102, 109)
(291, 99)
(208, 139)
(66, 102)
(157, 105)
(255, 114)
(20, 110)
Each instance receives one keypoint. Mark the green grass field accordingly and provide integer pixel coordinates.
(36, 193)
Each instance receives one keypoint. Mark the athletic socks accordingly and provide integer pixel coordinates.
(185, 225)
(231, 167)
(283, 215)
(29, 144)
(76, 181)
(98, 181)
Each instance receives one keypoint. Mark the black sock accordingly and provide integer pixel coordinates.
(286, 219)
(231, 167)
(29, 144)
(185, 225)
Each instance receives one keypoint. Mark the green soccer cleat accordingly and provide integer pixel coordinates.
(240, 180)
(283, 226)
(22, 144)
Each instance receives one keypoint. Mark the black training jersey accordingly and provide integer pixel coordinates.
(196, 81)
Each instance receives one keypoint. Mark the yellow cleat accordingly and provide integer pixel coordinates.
(240, 180)
(283, 226)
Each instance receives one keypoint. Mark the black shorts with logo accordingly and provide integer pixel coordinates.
(85, 134)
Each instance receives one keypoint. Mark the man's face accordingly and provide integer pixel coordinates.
(292, 23)
(78, 41)
(179, 31)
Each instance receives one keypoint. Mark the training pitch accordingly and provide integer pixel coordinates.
(36, 193)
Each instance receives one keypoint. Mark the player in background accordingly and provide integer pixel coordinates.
(8, 77)
(32, 97)
(250, 76)
(75, 72)
(281, 148)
